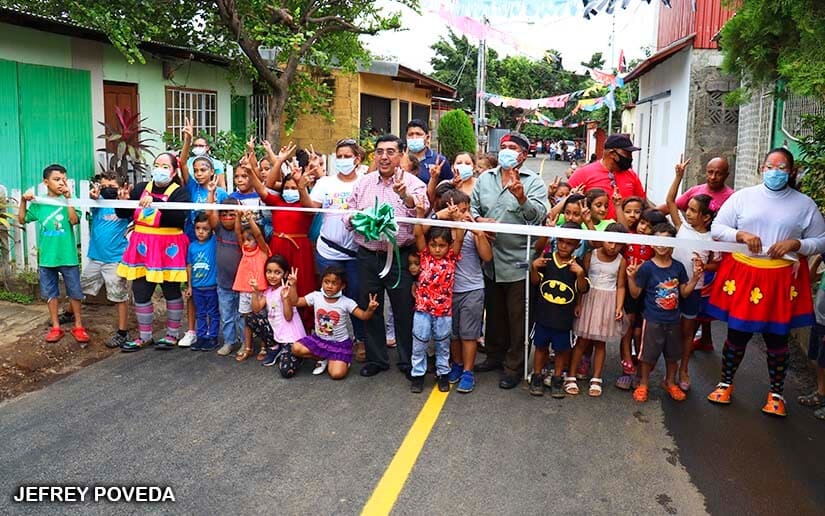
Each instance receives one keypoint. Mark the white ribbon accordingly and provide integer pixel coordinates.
(487, 227)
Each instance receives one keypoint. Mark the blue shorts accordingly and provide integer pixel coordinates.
(50, 286)
(690, 306)
(543, 337)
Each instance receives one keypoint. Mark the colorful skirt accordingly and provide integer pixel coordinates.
(762, 295)
(328, 349)
(598, 317)
(158, 254)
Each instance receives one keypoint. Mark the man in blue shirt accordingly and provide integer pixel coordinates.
(418, 143)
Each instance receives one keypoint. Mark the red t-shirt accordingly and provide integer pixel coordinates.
(595, 175)
(637, 253)
(434, 294)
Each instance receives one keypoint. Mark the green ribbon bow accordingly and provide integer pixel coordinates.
(376, 222)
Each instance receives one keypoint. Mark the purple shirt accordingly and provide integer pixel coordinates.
(717, 198)
(372, 186)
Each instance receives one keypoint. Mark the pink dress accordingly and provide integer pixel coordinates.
(598, 310)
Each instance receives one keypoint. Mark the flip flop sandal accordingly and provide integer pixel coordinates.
(684, 384)
(675, 392)
(640, 394)
(813, 400)
(628, 368)
(243, 354)
(624, 382)
(570, 386)
(595, 387)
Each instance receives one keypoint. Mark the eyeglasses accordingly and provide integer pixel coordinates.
(346, 141)
(388, 152)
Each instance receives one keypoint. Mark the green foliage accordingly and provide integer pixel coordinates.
(16, 297)
(227, 146)
(456, 133)
(171, 140)
(131, 148)
(812, 161)
(29, 277)
(307, 38)
(768, 40)
(596, 61)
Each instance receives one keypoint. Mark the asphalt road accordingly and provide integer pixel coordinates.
(238, 439)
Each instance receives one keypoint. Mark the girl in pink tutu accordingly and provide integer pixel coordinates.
(600, 316)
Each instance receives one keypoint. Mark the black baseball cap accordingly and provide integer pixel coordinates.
(620, 141)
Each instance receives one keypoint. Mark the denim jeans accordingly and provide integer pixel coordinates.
(426, 327)
(352, 289)
(206, 311)
(232, 324)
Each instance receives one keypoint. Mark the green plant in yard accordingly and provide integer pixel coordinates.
(227, 147)
(131, 148)
(812, 161)
(456, 134)
(16, 297)
(171, 141)
(7, 222)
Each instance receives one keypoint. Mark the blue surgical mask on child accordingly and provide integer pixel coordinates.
(464, 171)
(336, 295)
(775, 179)
(161, 176)
(291, 196)
(507, 158)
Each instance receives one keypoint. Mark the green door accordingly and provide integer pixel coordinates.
(9, 127)
(55, 117)
(238, 114)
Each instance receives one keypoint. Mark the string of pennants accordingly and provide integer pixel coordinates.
(535, 9)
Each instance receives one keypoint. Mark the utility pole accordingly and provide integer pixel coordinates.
(612, 65)
(481, 87)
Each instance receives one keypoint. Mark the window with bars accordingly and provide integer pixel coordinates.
(200, 106)
(795, 108)
(258, 109)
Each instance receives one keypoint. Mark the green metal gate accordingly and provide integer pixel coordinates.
(45, 117)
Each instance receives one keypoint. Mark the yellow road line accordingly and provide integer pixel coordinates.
(541, 167)
(389, 487)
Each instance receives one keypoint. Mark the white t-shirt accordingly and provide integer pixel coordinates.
(333, 193)
(331, 318)
(685, 256)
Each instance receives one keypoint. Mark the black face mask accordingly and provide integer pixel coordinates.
(623, 162)
(108, 192)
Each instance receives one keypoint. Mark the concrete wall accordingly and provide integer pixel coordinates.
(105, 63)
(712, 127)
(753, 137)
(661, 124)
(320, 132)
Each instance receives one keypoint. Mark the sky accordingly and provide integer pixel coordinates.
(576, 38)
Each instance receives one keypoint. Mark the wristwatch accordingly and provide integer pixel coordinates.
(434, 215)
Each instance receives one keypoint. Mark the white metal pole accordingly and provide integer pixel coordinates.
(527, 310)
(612, 64)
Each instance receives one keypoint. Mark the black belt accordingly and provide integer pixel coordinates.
(339, 247)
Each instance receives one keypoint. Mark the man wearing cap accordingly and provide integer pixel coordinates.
(611, 172)
(514, 195)
(418, 143)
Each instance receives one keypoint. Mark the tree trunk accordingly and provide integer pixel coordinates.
(274, 117)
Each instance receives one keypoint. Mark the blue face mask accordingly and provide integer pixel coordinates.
(775, 179)
(507, 158)
(464, 171)
(336, 295)
(415, 144)
(161, 176)
(345, 165)
(291, 196)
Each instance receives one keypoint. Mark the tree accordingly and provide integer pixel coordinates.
(596, 61)
(307, 37)
(456, 63)
(456, 133)
(768, 40)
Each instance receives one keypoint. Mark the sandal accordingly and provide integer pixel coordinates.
(595, 387)
(684, 382)
(624, 382)
(243, 354)
(54, 335)
(675, 392)
(640, 394)
(261, 354)
(80, 336)
(820, 414)
(813, 400)
(628, 368)
(570, 386)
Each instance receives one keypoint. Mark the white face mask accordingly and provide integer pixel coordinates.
(161, 176)
(199, 150)
(345, 165)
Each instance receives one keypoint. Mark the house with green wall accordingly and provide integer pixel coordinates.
(59, 79)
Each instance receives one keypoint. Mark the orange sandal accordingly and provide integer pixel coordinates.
(675, 392)
(54, 335)
(80, 335)
(640, 394)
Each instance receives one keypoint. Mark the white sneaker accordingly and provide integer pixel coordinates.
(188, 339)
(320, 367)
